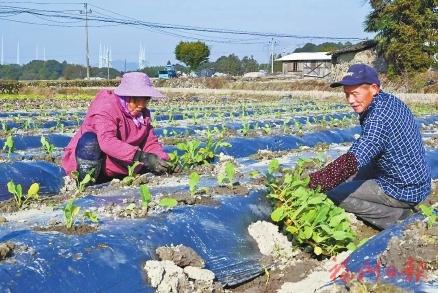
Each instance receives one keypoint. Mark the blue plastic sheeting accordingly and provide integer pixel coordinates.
(432, 158)
(112, 259)
(364, 261)
(23, 142)
(243, 147)
(48, 175)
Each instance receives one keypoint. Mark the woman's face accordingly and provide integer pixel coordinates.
(137, 104)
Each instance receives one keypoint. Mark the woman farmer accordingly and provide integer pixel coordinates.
(116, 132)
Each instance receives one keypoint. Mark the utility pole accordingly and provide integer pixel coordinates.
(2, 57)
(108, 63)
(87, 53)
(18, 52)
(273, 43)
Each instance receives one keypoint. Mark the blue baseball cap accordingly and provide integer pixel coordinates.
(358, 74)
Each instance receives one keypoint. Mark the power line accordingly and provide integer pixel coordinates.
(163, 26)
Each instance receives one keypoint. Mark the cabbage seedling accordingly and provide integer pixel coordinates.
(168, 202)
(47, 146)
(9, 145)
(227, 175)
(428, 212)
(17, 192)
(80, 185)
(131, 173)
(71, 211)
(193, 182)
(91, 216)
(145, 195)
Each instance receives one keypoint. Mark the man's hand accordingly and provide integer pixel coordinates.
(152, 163)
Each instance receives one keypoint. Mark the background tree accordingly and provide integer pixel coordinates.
(193, 54)
(407, 33)
(229, 64)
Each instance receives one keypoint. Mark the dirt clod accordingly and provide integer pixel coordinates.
(6, 250)
(181, 255)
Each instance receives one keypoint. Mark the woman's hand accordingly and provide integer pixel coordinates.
(152, 162)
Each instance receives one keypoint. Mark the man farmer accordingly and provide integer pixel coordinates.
(384, 174)
(116, 132)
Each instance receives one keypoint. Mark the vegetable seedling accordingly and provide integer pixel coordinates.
(47, 146)
(428, 212)
(71, 211)
(227, 175)
(17, 191)
(131, 173)
(193, 183)
(168, 202)
(9, 145)
(145, 195)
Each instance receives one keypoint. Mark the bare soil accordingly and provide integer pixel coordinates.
(272, 280)
(75, 230)
(417, 246)
(181, 255)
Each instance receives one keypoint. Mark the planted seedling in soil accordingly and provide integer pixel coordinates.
(168, 202)
(193, 183)
(273, 167)
(145, 195)
(227, 176)
(8, 147)
(71, 212)
(428, 212)
(131, 174)
(309, 215)
(48, 148)
(81, 184)
(17, 193)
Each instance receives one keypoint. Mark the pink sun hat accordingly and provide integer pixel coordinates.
(137, 84)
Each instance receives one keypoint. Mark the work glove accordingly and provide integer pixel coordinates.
(152, 163)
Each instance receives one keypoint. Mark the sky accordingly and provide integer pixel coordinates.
(304, 18)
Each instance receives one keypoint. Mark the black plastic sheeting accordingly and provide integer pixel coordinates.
(111, 259)
(363, 262)
(48, 175)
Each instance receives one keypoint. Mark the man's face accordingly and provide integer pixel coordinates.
(360, 96)
(137, 104)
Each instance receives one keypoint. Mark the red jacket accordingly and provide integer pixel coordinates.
(119, 138)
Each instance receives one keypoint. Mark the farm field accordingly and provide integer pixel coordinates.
(221, 222)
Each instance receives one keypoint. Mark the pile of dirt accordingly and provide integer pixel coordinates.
(180, 269)
(75, 230)
(415, 252)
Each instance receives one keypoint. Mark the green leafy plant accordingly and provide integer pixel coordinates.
(47, 146)
(17, 192)
(228, 174)
(194, 154)
(430, 215)
(81, 184)
(91, 216)
(193, 183)
(145, 195)
(9, 145)
(309, 215)
(168, 202)
(71, 212)
(129, 179)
